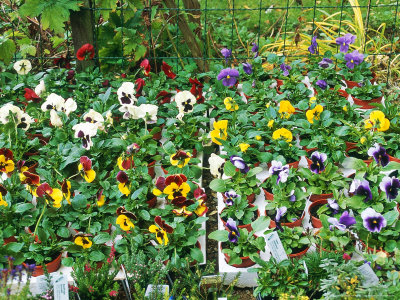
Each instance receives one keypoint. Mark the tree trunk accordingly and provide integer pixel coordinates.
(194, 15)
(188, 35)
(82, 24)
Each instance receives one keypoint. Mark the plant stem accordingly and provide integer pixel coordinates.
(40, 218)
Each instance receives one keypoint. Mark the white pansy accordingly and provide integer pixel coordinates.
(55, 119)
(126, 93)
(147, 112)
(216, 165)
(40, 88)
(69, 106)
(5, 112)
(85, 131)
(94, 117)
(53, 101)
(128, 111)
(23, 66)
(185, 101)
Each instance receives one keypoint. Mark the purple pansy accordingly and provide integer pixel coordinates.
(280, 212)
(254, 49)
(281, 171)
(314, 46)
(318, 160)
(335, 223)
(322, 84)
(228, 76)
(292, 196)
(345, 41)
(285, 69)
(226, 53)
(333, 206)
(361, 188)
(344, 222)
(233, 231)
(379, 154)
(239, 163)
(325, 62)
(247, 68)
(353, 58)
(372, 220)
(390, 185)
(230, 197)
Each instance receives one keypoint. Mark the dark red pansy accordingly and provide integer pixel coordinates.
(164, 97)
(31, 179)
(62, 62)
(160, 183)
(139, 84)
(85, 52)
(145, 64)
(162, 224)
(178, 179)
(167, 70)
(197, 90)
(122, 177)
(30, 95)
(86, 163)
(181, 201)
(44, 189)
(200, 194)
(8, 154)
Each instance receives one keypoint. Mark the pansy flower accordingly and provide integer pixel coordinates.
(6, 161)
(66, 189)
(146, 112)
(247, 68)
(254, 49)
(176, 186)
(62, 62)
(345, 41)
(164, 97)
(333, 206)
(344, 222)
(84, 241)
(85, 131)
(317, 165)
(126, 94)
(124, 184)
(161, 230)
(185, 101)
(94, 117)
(361, 188)
(139, 84)
(182, 203)
(124, 219)
(313, 49)
(228, 76)
(53, 101)
(3, 192)
(220, 131)
(21, 119)
(201, 197)
(391, 186)
(285, 69)
(282, 133)
(145, 64)
(85, 52)
(286, 109)
(55, 195)
(226, 53)
(354, 58)
(325, 63)
(23, 66)
(197, 90)
(379, 154)
(234, 233)
(314, 114)
(377, 120)
(180, 159)
(30, 179)
(30, 95)
(230, 104)
(239, 163)
(244, 146)
(216, 165)
(280, 170)
(101, 199)
(125, 163)
(168, 70)
(280, 212)
(372, 220)
(230, 197)
(321, 84)
(85, 167)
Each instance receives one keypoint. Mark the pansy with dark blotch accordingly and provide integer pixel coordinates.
(361, 188)
(239, 163)
(391, 186)
(226, 53)
(228, 76)
(333, 206)
(247, 68)
(345, 41)
(285, 69)
(322, 84)
(313, 49)
(233, 231)
(254, 49)
(230, 197)
(354, 58)
(379, 154)
(325, 62)
(372, 220)
(280, 212)
(344, 222)
(318, 160)
(282, 171)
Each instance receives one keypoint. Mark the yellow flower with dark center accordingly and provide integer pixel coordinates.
(124, 188)
(2, 201)
(270, 123)
(220, 131)
(174, 190)
(314, 114)
(377, 120)
(180, 159)
(182, 211)
(6, 165)
(282, 133)
(161, 235)
(243, 147)
(22, 177)
(57, 197)
(101, 201)
(83, 241)
(201, 209)
(66, 190)
(88, 175)
(230, 104)
(286, 109)
(125, 223)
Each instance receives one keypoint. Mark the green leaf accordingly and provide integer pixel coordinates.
(353, 163)
(63, 232)
(254, 171)
(391, 217)
(68, 261)
(219, 235)
(79, 201)
(261, 223)
(390, 245)
(22, 207)
(96, 256)
(13, 247)
(229, 169)
(197, 255)
(218, 185)
(145, 215)
(7, 49)
(101, 238)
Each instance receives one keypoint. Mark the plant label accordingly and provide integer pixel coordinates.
(207, 281)
(369, 276)
(60, 285)
(275, 247)
(153, 290)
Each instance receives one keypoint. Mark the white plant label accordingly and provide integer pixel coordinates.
(60, 284)
(369, 276)
(275, 247)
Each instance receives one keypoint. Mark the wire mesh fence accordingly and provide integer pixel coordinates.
(183, 31)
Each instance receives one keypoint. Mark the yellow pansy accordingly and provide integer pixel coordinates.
(124, 222)
(377, 120)
(174, 190)
(180, 159)
(243, 147)
(312, 100)
(286, 109)
(6, 165)
(101, 201)
(124, 188)
(57, 197)
(270, 123)
(258, 137)
(282, 133)
(83, 241)
(220, 131)
(2, 201)
(88, 175)
(161, 235)
(156, 192)
(202, 208)
(230, 104)
(182, 211)
(314, 114)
